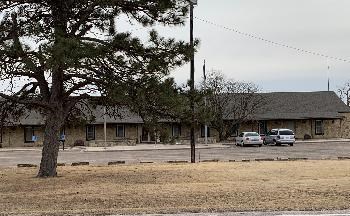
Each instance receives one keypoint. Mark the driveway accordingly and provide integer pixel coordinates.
(314, 151)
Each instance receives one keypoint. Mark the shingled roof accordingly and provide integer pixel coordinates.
(300, 105)
(275, 106)
(124, 116)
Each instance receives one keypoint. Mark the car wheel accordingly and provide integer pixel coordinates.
(275, 143)
(260, 145)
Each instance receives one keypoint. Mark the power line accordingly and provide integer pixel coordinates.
(272, 42)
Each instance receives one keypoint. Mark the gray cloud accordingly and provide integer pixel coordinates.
(315, 25)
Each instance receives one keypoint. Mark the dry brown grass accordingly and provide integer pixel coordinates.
(167, 188)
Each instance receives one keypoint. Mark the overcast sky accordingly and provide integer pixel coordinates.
(320, 26)
(316, 25)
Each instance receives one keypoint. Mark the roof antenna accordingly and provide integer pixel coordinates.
(328, 68)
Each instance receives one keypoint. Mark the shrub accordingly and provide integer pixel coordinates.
(79, 143)
(307, 136)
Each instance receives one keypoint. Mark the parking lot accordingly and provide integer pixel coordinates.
(312, 151)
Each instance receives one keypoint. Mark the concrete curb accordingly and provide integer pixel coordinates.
(265, 159)
(115, 163)
(26, 165)
(80, 163)
(111, 163)
(296, 159)
(212, 160)
(177, 162)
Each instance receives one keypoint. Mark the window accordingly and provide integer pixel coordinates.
(90, 132)
(286, 132)
(234, 130)
(147, 136)
(29, 134)
(262, 127)
(252, 134)
(203, 131)
(273, 132)
(120, 131)
(319, 130)
(176, 130)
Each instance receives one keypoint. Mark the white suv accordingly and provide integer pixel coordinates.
(280, 136)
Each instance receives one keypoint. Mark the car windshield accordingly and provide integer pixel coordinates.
(252, 134)
(286, 132)
(273, 133)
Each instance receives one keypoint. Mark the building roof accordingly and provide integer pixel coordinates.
(300, 105)
(28, 118)
(274, 106)
(124, 115)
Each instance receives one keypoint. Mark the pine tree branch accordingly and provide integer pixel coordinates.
(31, 102)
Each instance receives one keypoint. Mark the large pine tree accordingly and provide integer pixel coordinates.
(55, 53)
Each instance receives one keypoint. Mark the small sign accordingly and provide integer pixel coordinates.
(34, 138)
(62, 137)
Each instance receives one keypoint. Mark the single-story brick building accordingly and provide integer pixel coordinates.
(317, 114)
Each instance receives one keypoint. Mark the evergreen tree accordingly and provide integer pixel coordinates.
(54, 54)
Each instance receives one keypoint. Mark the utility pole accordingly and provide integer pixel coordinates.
(205, 104)
(193, 144)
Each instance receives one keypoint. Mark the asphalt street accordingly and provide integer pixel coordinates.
(323, 213)
(312, 151)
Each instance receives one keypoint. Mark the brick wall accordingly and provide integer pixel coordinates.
(345, 126)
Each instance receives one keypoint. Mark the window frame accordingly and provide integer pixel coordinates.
(262, 125)
(203, 131)
(317, 127)
(87, 132)
(116, 130)
(25, 134)
(178, 126)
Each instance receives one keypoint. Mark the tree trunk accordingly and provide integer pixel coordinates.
(48, 163)
(55, 119)
(221, 134)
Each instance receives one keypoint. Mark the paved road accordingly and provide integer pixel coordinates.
(323, 213)
(305, 150)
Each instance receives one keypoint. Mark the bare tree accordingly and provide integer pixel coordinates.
(229, 103)
(55, 54)
(344, 93)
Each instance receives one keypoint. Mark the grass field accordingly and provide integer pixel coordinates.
(170, 188)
